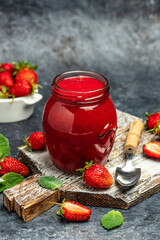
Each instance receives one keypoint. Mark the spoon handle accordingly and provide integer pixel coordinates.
(133, 136)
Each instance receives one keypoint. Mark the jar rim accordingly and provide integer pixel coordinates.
(80, 95)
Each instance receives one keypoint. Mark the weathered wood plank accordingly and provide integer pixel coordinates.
(29, 206)
(10, 194)
(114, 197)
(34, 208)
(74, 185)
(27, 198)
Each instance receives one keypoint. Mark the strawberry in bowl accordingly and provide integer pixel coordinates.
(18, 91)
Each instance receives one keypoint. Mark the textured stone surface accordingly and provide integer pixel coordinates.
(119, 39)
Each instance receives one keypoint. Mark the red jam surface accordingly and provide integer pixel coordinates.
(80, 84)
(78, 131)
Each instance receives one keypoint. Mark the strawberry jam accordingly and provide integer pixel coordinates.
(79, 120)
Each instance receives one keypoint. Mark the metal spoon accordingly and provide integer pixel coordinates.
(128, 175)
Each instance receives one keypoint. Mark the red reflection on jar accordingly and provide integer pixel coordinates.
(79, 120)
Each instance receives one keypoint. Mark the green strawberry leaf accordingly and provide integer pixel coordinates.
(4, 146)
(10, 180)
(4, 89)
(59, 212)
(112, 219)
(49, 182)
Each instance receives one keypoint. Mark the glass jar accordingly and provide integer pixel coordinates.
(79, 120)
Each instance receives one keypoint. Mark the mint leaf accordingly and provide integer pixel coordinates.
(2, 184)
(2, 187)
(112, 219)
(1, 180)
(10, 180)
(4, 146)
(50, 182)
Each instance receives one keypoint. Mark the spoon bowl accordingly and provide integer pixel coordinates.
(127, 178)
(128, 175)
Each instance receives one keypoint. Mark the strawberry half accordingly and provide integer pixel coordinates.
(35, 141)
(152, 119)
(9, 164)
(74, 211)
(97, 176)
(152, 149)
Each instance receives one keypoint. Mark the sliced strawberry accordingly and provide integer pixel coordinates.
(152, 149)
(74, 211)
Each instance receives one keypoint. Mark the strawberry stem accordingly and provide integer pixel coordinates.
(13, 97)
(54, 203)
(34, 86)
(23, 65)
(150, 130)
(155, 129)
(82, 170)
(21, 146)
(2, 156)
(2, 160)
(147, 114)
(26, 140)
(88, 164)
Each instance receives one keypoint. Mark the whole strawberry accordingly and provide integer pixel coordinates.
(8, 67)
(36, 141)
(156, 129)
(97, 176)
(9, 164)
(74, 211)
(21, 88)
(28, 75)
(6, 79)
(152, 119)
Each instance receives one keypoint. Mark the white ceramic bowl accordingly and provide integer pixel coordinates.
(21, 108)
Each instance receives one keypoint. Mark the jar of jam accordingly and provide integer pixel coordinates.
(79, 120)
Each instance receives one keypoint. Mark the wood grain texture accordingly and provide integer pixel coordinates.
(10, 194)
(73, 188)
(27, 198)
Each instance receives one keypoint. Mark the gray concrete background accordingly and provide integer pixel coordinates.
(119, 39)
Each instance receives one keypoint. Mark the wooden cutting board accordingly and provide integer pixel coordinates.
(27, 198)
